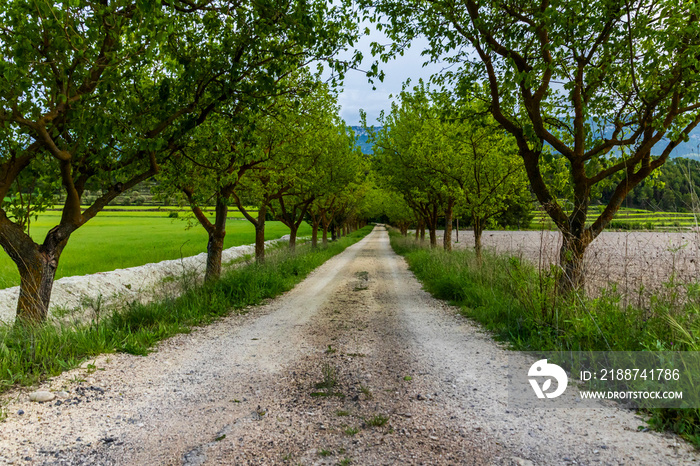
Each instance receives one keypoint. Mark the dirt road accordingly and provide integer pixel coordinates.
(356, 365)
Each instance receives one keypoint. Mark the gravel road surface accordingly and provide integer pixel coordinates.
(356, 365)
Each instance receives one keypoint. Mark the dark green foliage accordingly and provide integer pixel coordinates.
(678, 181)
(30, 354)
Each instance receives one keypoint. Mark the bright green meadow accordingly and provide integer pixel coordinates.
(121, 239)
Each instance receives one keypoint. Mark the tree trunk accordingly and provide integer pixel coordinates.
(447, 236)
(422, 230)
(260, 235)
(293, 237)
(433, 236)
(314, 235)
(333, 233)
(36, 265)
(325, 235)
(36, 282)
(215, 248)
(571, 262)
(432, 230)
(478, 230)
(417, 231)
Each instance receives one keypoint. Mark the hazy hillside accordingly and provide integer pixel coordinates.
(690, 149)
(362, 136)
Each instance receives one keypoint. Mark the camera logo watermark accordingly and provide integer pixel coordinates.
(543, 369)
(590, 379)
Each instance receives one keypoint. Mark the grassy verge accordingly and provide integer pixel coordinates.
(28, 355)
(518, 304)
(115, 240)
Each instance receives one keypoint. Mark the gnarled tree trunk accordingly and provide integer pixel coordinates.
(36, 264)
(216, 231)
(37, 274)
(258, 223)
(215, 248)
(215, 245)
(571, 261)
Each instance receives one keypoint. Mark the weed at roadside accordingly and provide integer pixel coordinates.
(376, 421)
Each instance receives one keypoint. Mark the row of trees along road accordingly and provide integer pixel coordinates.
(444, 158)
(611, 86)
(102, 96)
(279, 159)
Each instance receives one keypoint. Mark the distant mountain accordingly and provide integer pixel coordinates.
(362, 136)
(690, 149)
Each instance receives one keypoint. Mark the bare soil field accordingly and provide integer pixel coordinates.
(356, 365)
(638, 262)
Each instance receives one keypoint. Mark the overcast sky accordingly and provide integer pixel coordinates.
(357, 93)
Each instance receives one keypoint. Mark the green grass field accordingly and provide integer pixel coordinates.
(627, 219)
(150, 210)
(114, 240)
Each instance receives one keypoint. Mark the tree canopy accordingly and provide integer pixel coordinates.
(611, 86)
(100, 96)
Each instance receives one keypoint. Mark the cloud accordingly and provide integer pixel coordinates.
(358, 94)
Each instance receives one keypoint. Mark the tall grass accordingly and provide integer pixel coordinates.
(28, 355)
(519, 305)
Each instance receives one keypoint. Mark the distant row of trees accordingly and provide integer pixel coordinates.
(609, 88)
(101, 96)
(437, 158)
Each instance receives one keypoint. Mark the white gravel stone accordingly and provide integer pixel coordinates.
(41, 396)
